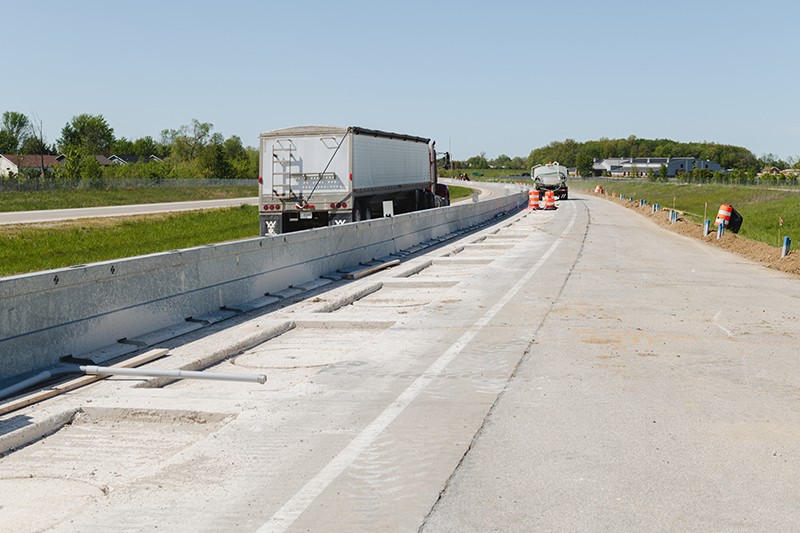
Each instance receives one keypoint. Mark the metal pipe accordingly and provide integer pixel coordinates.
(180, 374)
(11, 390)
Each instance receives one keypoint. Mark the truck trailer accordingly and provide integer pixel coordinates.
(551, 177)
(316, 176)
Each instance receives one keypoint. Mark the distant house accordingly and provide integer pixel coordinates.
(769, 170)
(13, 163)
(101, 159)
(127, 159)
(625, 167)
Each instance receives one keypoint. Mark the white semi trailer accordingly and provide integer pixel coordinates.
(315, 176)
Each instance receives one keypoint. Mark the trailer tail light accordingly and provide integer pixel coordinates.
(274, 207)
(310, 206)
(260, 179)
(334, 206)
(351, 176)
(344, 205)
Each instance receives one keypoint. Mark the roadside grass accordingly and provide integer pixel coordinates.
(42, 200)
(457, 192)
(760, 207)
(34, 247)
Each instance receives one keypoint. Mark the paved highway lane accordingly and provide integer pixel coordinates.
(661, 394)
(51, 215)
(581, 369)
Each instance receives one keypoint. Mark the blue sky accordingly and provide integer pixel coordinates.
(494, 77)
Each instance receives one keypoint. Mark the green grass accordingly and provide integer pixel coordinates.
(760, 207)
(457, 192)
(40, 200)
(30, 248)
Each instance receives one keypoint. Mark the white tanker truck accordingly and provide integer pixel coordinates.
(551, 177)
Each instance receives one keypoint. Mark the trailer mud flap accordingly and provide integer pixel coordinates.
(338, 219)
(271, 224)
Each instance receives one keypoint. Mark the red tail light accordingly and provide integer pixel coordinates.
(333, 206)
(260, 179)
(344, 205)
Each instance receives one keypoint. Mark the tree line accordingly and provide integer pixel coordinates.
(190, 151)
(581, 155)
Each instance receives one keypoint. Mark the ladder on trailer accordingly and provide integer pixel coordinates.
(282, 161)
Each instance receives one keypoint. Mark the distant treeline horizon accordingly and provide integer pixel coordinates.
(581, 155)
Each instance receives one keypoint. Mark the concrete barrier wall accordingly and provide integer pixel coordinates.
(79, 310)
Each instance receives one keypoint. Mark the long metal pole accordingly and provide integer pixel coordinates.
(180, 374)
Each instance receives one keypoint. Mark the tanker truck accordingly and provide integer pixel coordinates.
(316, 176)
(551, 177)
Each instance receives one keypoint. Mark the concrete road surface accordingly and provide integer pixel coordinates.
(572, 370)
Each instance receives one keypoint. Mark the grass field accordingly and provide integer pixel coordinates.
(457, 192)
(760, 207)
(34, 247)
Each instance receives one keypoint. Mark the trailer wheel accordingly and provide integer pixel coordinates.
(367, 213)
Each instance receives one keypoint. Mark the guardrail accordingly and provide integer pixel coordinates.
(105, 310)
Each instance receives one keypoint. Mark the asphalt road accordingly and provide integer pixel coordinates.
(573, 370)
(51, 215)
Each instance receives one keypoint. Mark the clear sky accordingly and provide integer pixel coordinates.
(495, 76)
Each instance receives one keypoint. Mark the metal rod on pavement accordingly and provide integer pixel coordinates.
(180, 374)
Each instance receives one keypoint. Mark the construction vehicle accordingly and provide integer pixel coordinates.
(316, 176)
(551, 177)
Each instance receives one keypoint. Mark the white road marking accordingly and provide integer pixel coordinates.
(291, 510)
(727, 332)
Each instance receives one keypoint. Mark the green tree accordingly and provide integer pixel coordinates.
(478, 161)
(502, 161)
(8, 144)
(34, 145)
(584, 164)
(16, 128)
(187, 142)
(517, 163)
(90, 132)
(214, 162)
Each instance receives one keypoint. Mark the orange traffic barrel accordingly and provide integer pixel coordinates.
(549, 200)
(533, 199)
(724, 215)
(729, 218)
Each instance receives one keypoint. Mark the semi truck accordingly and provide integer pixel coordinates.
(316, 176)
(551, 177)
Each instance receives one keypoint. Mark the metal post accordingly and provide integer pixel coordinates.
(706, 227)
(787, 242)
(179, 374)
(720, 230)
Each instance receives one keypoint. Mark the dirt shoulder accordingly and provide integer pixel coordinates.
(769, 256)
